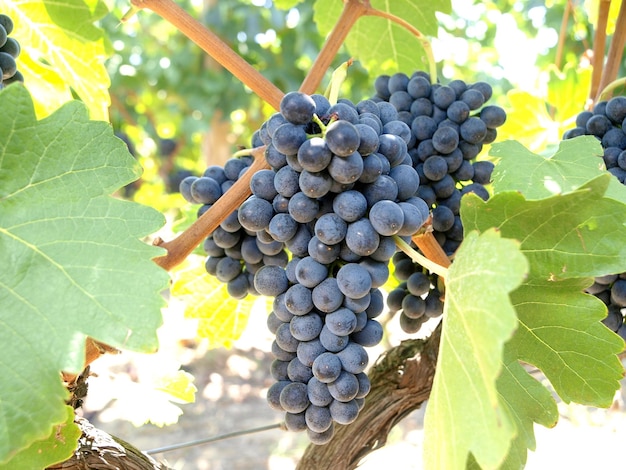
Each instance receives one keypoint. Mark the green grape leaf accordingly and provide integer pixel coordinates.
(57, 447)
(574, 163)
(63, 36)
(560, 332)
(381, 44)
(75, 264)
(221, 318)
(528, 402)
(578, 234)
(465, 414)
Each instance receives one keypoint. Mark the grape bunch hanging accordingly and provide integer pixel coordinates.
(607, 123)
(449, 125)
(319, 230)
(9, 51)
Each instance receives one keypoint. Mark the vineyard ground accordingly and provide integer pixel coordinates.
(231, 397)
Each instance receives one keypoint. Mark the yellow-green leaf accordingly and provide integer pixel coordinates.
(57, 447)
(221, 319)
(179, 385)
(63, 35)
(465, 414)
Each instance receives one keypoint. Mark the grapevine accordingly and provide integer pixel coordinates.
(338, 211)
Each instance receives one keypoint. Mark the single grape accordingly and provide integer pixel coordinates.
(370, 335)
(341, 322)
(342, 138)
(274, 392)
(354, 280)
(344, 412)
(318, 392)
(271, 281)
(345, 387)
(353, 358)
(293, 397)
(318, 418)
(326, 367)
(297, 107)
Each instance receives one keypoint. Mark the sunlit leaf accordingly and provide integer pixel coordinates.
(57, 447)
(179, 385)
(578, 234)
(464, 413)
(63, 35)
(380, 43)
(538, 120)
(222, 319)
(76, 265)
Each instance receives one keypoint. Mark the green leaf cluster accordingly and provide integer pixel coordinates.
(381, 44)
(515, 298)
(75, 265)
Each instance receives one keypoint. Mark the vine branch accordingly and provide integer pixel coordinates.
(599, 43)
(180, 247)
(616, 50)
(562, 34)
(215, 47)
(352, 11)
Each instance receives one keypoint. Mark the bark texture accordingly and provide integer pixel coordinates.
(98, 450)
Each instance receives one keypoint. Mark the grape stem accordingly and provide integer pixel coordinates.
(607, 93)
(336, 80)
(599, 43)
(352, 11)
(613, 59)
(562, 35)
(215, 47)
(180, 247)
(420, 259)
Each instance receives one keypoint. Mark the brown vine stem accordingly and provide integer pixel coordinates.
(613, 60)
(215, 47)
(599, 43)
(428, 245)
(352, 11)
(562, 35)
(180, 247)
(421, 259)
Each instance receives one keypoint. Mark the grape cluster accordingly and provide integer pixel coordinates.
(9, 51)
(341, 186)
(449, 125)
(235, 254)
(417, 297)
(607, 122)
